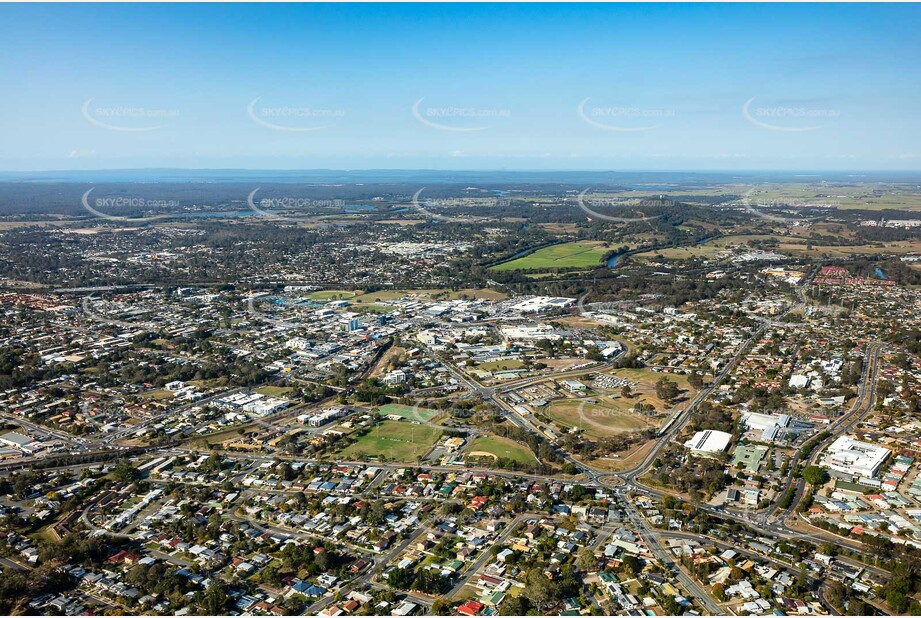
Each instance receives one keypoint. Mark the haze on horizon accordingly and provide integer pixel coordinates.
(460, 87)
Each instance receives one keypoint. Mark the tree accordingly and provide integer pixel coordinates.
(215, 599)
(815, 475)
(836, 593)
(626, 391)
(515, 606)
(667, 390)
(897, 601)
(441, 607)
(401, 579)
(695, 380)
(586, 560)
(856, 607)
(671, 606)
(125, 472)
(540, 590)
(884, 389)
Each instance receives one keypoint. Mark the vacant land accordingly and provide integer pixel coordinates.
(274, 391)
(499, 447)
(394, 440)
(414, 414)
(501, 365)
(158, 394)
(599, 420)
(388, 361)
(368, 298)
(566, 255)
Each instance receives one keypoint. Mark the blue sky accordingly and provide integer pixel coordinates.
(473, 86)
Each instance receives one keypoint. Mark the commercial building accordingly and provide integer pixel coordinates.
(537, 304)
(766, 426)
(16, 440)
(854, 458)
(535, 331)
(709, 441)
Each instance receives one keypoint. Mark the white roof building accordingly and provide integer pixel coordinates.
(535, 331)
(799, 381)
(709, 441)
(536, 304)
(853, 457)
(15, 439)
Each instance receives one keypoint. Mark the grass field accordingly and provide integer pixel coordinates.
(789, 245)
(863, 196)
(501, 365)
(710, 249)
(500, 447)
(394, 440)
(158, 394)
(599, 420)
(274, 391)
(567, 255)
(369, 298)
(418, 414)
(322, 295)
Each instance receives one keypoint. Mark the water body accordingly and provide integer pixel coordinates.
(880, 274)
(357, 208)
(614, 260)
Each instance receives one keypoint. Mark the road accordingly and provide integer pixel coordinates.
(862, 405)
(817, 583)
(486, 555)
(379, 563)
(651, 536)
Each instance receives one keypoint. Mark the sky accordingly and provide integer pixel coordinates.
(460, 86)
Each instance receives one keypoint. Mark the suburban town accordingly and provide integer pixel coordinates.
(708, 421)
(474, 309)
